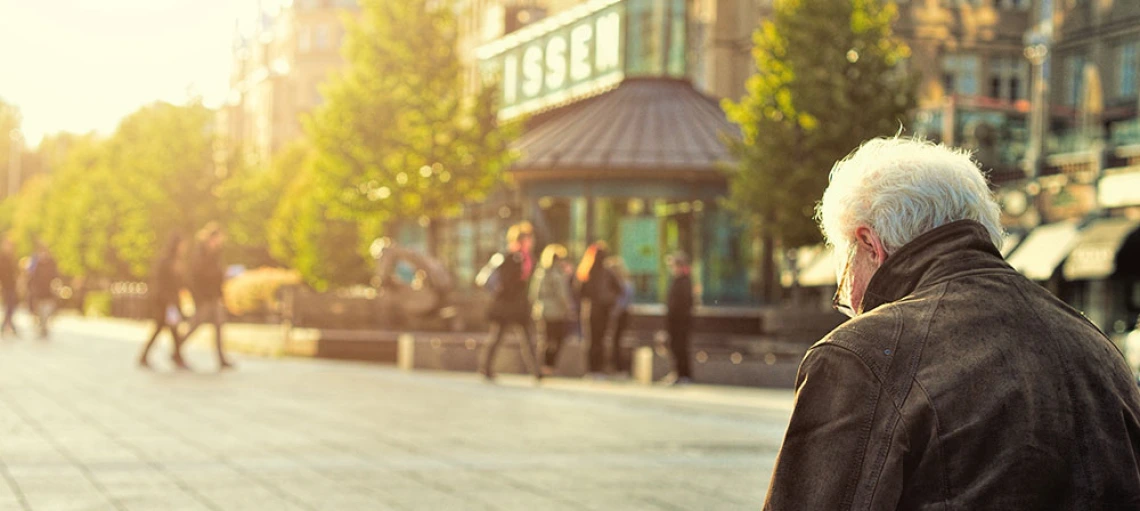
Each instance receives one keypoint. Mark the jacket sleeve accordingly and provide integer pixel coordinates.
(565, 292)
(820, 463)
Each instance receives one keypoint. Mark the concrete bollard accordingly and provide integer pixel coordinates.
(643, 365)
(406, 352)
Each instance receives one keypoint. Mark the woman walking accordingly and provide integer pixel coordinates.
(553, 303)
(601, 289)
(165, 283)
(507, 277)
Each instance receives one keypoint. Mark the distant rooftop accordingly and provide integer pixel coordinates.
(658, 125)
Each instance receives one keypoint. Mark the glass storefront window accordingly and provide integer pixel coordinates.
(490, 239)
(463, 261)
(655, 38)
(643, 37)
(1126, 69)
(677, 40)
(726, 259)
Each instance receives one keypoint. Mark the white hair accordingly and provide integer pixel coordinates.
(901, 188)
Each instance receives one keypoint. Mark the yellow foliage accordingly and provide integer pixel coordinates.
(256, 290)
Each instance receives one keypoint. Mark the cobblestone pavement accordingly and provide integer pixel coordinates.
(81, 428)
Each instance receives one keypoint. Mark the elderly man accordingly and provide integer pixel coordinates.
(958, 384)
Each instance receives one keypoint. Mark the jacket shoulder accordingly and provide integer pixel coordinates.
(872, 337)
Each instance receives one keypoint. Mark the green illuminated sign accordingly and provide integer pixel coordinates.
(585, 49)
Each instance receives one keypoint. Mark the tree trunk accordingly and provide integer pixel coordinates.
(768, 270)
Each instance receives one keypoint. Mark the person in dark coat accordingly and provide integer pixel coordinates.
(507, 277)
(9, 275)
(619, 315)
(679, 318)
(206, 277)
(600, 289)
(165, 283)
(42, 272)
(958, 383)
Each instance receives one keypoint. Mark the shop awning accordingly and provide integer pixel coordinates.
(820, 271)
(655, 127)
(1043, 250)
(1095, 254)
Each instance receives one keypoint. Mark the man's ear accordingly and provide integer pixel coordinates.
(871, 242)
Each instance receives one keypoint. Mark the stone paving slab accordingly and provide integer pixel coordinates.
(82, 428)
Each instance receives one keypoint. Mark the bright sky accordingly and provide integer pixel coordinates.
(82, 65)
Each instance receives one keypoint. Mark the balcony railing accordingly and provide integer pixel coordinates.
(1125, 133)
(1068, 141)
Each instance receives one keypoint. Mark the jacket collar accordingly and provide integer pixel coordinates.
(935, 255)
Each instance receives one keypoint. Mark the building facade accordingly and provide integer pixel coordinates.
(974, 91)
(623, 138)
(1080, 203)
(592, 159)
(278, 63)
(975, 79)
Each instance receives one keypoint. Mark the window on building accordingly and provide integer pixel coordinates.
(305, 39)
(1126, 66)
(1044, 10)
(1007, 73)
(323, 37)
(1074, 79)
(960, 74)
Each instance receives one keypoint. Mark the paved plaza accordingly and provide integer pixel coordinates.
(81, 428)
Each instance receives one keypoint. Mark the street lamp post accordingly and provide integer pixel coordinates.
(1038, 55)
(14, 149)
(1037, 43)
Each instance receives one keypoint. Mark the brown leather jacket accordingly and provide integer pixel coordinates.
(963, 386)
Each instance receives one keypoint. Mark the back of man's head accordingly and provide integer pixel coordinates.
(901, 188)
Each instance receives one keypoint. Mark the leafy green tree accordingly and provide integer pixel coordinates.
(249, 197)
(112, 202)
(397, 136)
(28, 214)
(80, 219)
(9, 120)
(303, 234)
(830, 75)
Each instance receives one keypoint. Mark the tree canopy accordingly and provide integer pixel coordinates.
(399, 136)
(830, 75)
(104, 205)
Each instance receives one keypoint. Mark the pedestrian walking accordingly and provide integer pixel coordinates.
(553, 303)
(42, 273)
(9, 275)
(206, 278)
(600, 290)
(679, 319)
(619, 316)
(958, 383)
(507, 277)
(162, 293)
